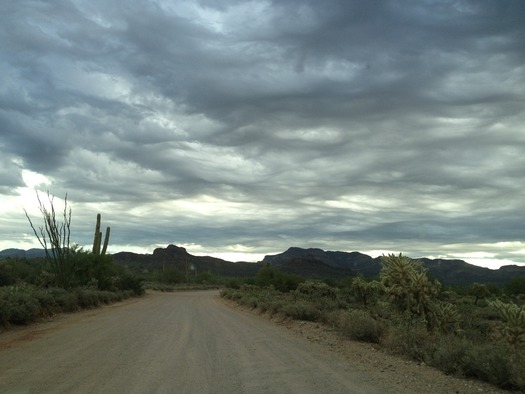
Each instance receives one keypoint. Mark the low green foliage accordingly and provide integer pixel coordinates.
(314, 290)
(409, 338)
(516, 286)
(361, 326)
(407, 314)
(24, 303)
(270, 276)
(17, 306)
(301, 310)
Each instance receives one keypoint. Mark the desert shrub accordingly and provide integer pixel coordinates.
(313, 290)
(451, 353)
(7, 276)
(87, 298)
(275, 306)
(170, 275)
(45, 279)
(13, 270)
(301, 310)
(516, 286)
(128, 281)
(409, 338)
(17, 305)
(92, 269)
(323, 297)
(66, 300)
(360, 326)
(233, 283)
(226, 293)
(106, 297)
(263, 305)
(270, 276)
(496, 363)
(250, 301)
(44, 298)
(491, 363)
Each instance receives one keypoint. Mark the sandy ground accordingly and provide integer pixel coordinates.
(195, 342)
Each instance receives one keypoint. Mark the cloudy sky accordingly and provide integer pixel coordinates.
(241, 128)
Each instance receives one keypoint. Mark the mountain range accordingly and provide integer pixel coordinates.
(310, 263)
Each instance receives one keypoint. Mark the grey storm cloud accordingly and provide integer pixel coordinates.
(252, 126)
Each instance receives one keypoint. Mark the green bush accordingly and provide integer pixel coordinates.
(65, 300)
(490, 363)
(127, 281)
(17, 305)
(170, 275)
(451, 354)
(516, 286)
(233, 283)
(269, 276)
(87, 298)
(301, 310)
(313, 290)
(409, 339)
(13, 270)
(360, 326)
(7, 276)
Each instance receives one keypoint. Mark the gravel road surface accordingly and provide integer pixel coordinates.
(185, 342)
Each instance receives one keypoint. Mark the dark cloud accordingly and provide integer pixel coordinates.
(252, 127)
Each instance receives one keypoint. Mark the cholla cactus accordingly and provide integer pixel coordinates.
(407, 285)
(97, 240)
(447, 317)
(512, 329)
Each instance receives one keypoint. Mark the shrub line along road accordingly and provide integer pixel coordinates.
(185, 342)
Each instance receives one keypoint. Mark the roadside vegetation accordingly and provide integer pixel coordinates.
(476, 331)
(69, 278)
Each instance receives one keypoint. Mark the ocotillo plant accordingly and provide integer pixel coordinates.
(98, 239)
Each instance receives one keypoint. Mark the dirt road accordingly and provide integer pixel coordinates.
(170, 343)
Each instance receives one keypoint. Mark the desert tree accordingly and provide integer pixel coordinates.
(479, 291)
(363, 289)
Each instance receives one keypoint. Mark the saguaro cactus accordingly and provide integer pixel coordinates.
(97, 240)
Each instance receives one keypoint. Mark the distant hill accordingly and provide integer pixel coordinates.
(310, 263)
(21, 253)
(353, 263)
(179, 258)
(453, 272)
